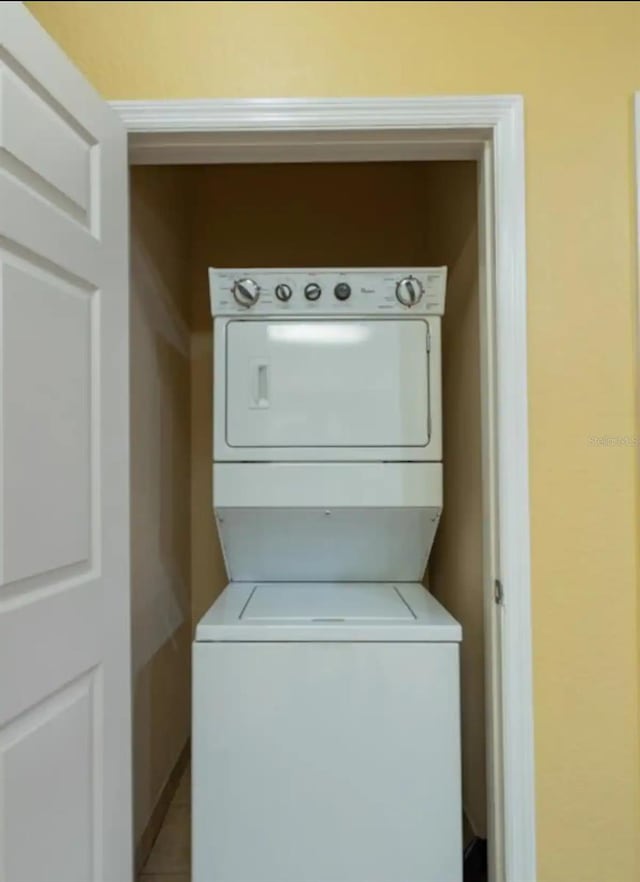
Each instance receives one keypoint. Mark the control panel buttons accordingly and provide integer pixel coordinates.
(318, 291)
(283, 292)
(246, 292)
(312, 291)
(409, 291)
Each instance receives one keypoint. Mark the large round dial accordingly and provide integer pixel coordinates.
(342, 291)
(246, 292)
(312, 291)
(409, 291)
(283, 292)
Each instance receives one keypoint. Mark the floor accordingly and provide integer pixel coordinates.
(170, 858)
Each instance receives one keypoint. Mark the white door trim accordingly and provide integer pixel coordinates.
(490, 130)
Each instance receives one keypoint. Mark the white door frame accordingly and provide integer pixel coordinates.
(488, 129)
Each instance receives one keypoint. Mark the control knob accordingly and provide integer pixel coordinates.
(246, 292)
(409, 291)
(312, 291)
(342, 291)
(283, 292)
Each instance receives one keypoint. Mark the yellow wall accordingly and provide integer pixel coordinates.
(577, 65)
(160, 474)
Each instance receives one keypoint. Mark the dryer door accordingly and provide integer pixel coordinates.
(341, 386)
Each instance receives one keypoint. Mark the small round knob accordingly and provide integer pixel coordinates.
(283, 292)
(246, 292)
(409, 291)
(342, 291)
(312, 291)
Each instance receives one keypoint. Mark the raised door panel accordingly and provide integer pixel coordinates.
(40, 141)
(49, 769)
(46, 406)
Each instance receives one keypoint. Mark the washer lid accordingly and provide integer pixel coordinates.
(327, 611)
(326, 602)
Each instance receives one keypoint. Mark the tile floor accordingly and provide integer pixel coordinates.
(170, 858)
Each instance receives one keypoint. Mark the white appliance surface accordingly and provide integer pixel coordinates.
(326, 602)
(316, 521)
(328, 379)
(321, 611)
(350, 545)
(319, 758)
(318, 390)
(348, 383)
(371, 290)
(327, 484)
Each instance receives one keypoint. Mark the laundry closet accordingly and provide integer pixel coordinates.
(185, 220)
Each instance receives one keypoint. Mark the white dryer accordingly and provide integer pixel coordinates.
(328, 365)
(326, 736)
(327, 432)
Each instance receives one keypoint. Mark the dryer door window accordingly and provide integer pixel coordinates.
(350, 383)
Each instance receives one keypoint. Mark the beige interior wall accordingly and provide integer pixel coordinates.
(455, 567)
(160, 510)
(380, 214)
(369, 214)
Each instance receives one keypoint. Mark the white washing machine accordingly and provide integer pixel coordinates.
(326, 736)
(326, 743)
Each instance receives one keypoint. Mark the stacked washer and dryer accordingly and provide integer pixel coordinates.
(326, 729)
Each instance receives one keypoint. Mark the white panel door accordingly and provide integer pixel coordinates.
(327, 383)
(65, 776)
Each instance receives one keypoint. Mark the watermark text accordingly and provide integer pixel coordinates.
(614, 440)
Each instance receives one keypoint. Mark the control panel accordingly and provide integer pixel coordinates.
(363, 291)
